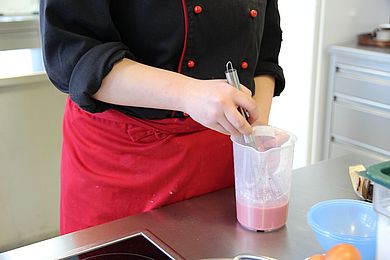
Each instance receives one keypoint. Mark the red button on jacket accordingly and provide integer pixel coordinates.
(191, 64)
(198, 9)
(244, 65)
(253, 13)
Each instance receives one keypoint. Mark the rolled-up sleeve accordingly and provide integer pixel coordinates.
(80, 46)
(268, 62)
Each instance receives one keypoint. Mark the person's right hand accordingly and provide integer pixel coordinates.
(214, 103)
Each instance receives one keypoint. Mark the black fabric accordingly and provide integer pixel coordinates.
(268, 63)
(83, 39)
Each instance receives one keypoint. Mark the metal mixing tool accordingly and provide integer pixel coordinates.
(249, 140)
(232, 79)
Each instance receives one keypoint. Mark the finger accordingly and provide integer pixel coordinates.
(246, 90)
(221, 129)
(281, 138)
(269, 142)
(248, 104)
(265, 142)
(238, 121)
(218, 127)
(225, 123)
(276, 141)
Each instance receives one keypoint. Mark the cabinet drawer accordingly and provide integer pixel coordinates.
(19, 40)
(363, 126)
(339, 149)
(363, 83)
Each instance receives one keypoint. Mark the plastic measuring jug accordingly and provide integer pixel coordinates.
(263, 178)
(380, 175)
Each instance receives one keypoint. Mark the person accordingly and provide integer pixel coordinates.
(149, 112)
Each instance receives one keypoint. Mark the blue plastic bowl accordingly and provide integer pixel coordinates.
(345, 221)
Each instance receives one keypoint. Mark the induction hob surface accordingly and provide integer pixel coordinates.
(140, 246)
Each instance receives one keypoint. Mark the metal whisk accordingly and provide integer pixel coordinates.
(232, 79)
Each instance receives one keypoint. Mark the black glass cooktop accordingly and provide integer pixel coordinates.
(137, 247)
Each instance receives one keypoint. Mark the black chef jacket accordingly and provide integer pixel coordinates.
(83, 39)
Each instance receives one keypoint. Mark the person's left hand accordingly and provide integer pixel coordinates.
(265, 143)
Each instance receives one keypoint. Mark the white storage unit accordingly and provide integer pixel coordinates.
(358, 108)
(19, 32)
(31, 112)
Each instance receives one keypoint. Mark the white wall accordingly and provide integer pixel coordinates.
(30, 148)
(291, 111)
(31, 112)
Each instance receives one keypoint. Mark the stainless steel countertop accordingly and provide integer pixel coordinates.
(379, 54)
(206, 226)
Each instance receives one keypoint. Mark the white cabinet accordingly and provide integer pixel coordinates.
(358, 107)
(31, 112)
(19, 32)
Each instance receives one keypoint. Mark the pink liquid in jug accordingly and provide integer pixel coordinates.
(262, 218)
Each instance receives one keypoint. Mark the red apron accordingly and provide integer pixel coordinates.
(115, 166)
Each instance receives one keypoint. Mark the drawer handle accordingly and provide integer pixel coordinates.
(353, 69)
